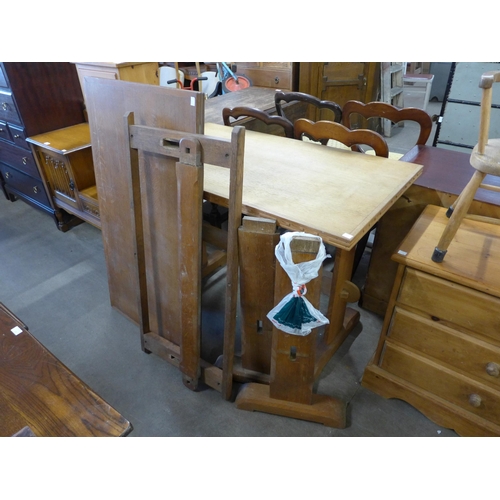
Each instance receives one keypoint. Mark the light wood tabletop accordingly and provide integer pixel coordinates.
(333, 193)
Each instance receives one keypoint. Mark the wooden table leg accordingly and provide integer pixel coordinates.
(290, 392)
(257, 239)
(342, 319)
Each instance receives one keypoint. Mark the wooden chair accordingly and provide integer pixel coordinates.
(180, 156)
(388, 111)
(247, 112)
(326, 130)
(288, 97)
(485, 158)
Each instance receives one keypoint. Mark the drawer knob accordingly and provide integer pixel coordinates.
(35, 189)
(493, 369)
(475, 400)
(25, 160)
(8, 175)
(5, 106)
(17, 136)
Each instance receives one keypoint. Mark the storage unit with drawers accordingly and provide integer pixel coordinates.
(440, 344)
(34, 98)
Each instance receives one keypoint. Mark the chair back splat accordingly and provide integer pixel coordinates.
(326, 130)
(388, 111)
(247, 112)
(302, 97)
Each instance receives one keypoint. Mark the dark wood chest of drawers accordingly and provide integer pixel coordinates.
(35, 98)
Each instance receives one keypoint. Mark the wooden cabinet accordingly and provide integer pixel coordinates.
(64, 158)
(440, 344)
(34, 98)
(140, 72)
(340, 81)
(277, 75)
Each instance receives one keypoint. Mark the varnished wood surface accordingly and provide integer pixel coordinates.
(38, 391)
(327, 130)
(323, 409)
(252, 97)
(293, 356)
(448, 171)
(473, 262)
(257, 239)
(333, 193)
(65, 140)
(108, 101)
(443, 178)
(385, 110)
(47, 94)
(439, 345)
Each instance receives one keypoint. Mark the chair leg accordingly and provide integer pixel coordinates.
(459, 211)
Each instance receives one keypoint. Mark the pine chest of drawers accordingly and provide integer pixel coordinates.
(439, 348)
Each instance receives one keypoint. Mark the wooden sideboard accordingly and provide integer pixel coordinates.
(275, 75)
(34, 98)
(439, 348)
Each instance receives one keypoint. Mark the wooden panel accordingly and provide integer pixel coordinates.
(293, 356)
(53, 102)
(341, 81)
(464, 352)
(142, 72)
(257, 240)
(451, 303)
(108, 102)
(139, 72)
(477, 398)
(437, 409)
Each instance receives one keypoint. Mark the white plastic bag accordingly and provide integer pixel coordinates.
(295, 314)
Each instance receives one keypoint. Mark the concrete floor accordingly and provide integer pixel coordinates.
(56, 283)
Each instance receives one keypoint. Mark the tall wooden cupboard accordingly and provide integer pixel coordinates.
(340, 81)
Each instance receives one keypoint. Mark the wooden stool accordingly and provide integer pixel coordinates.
(485, 158)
